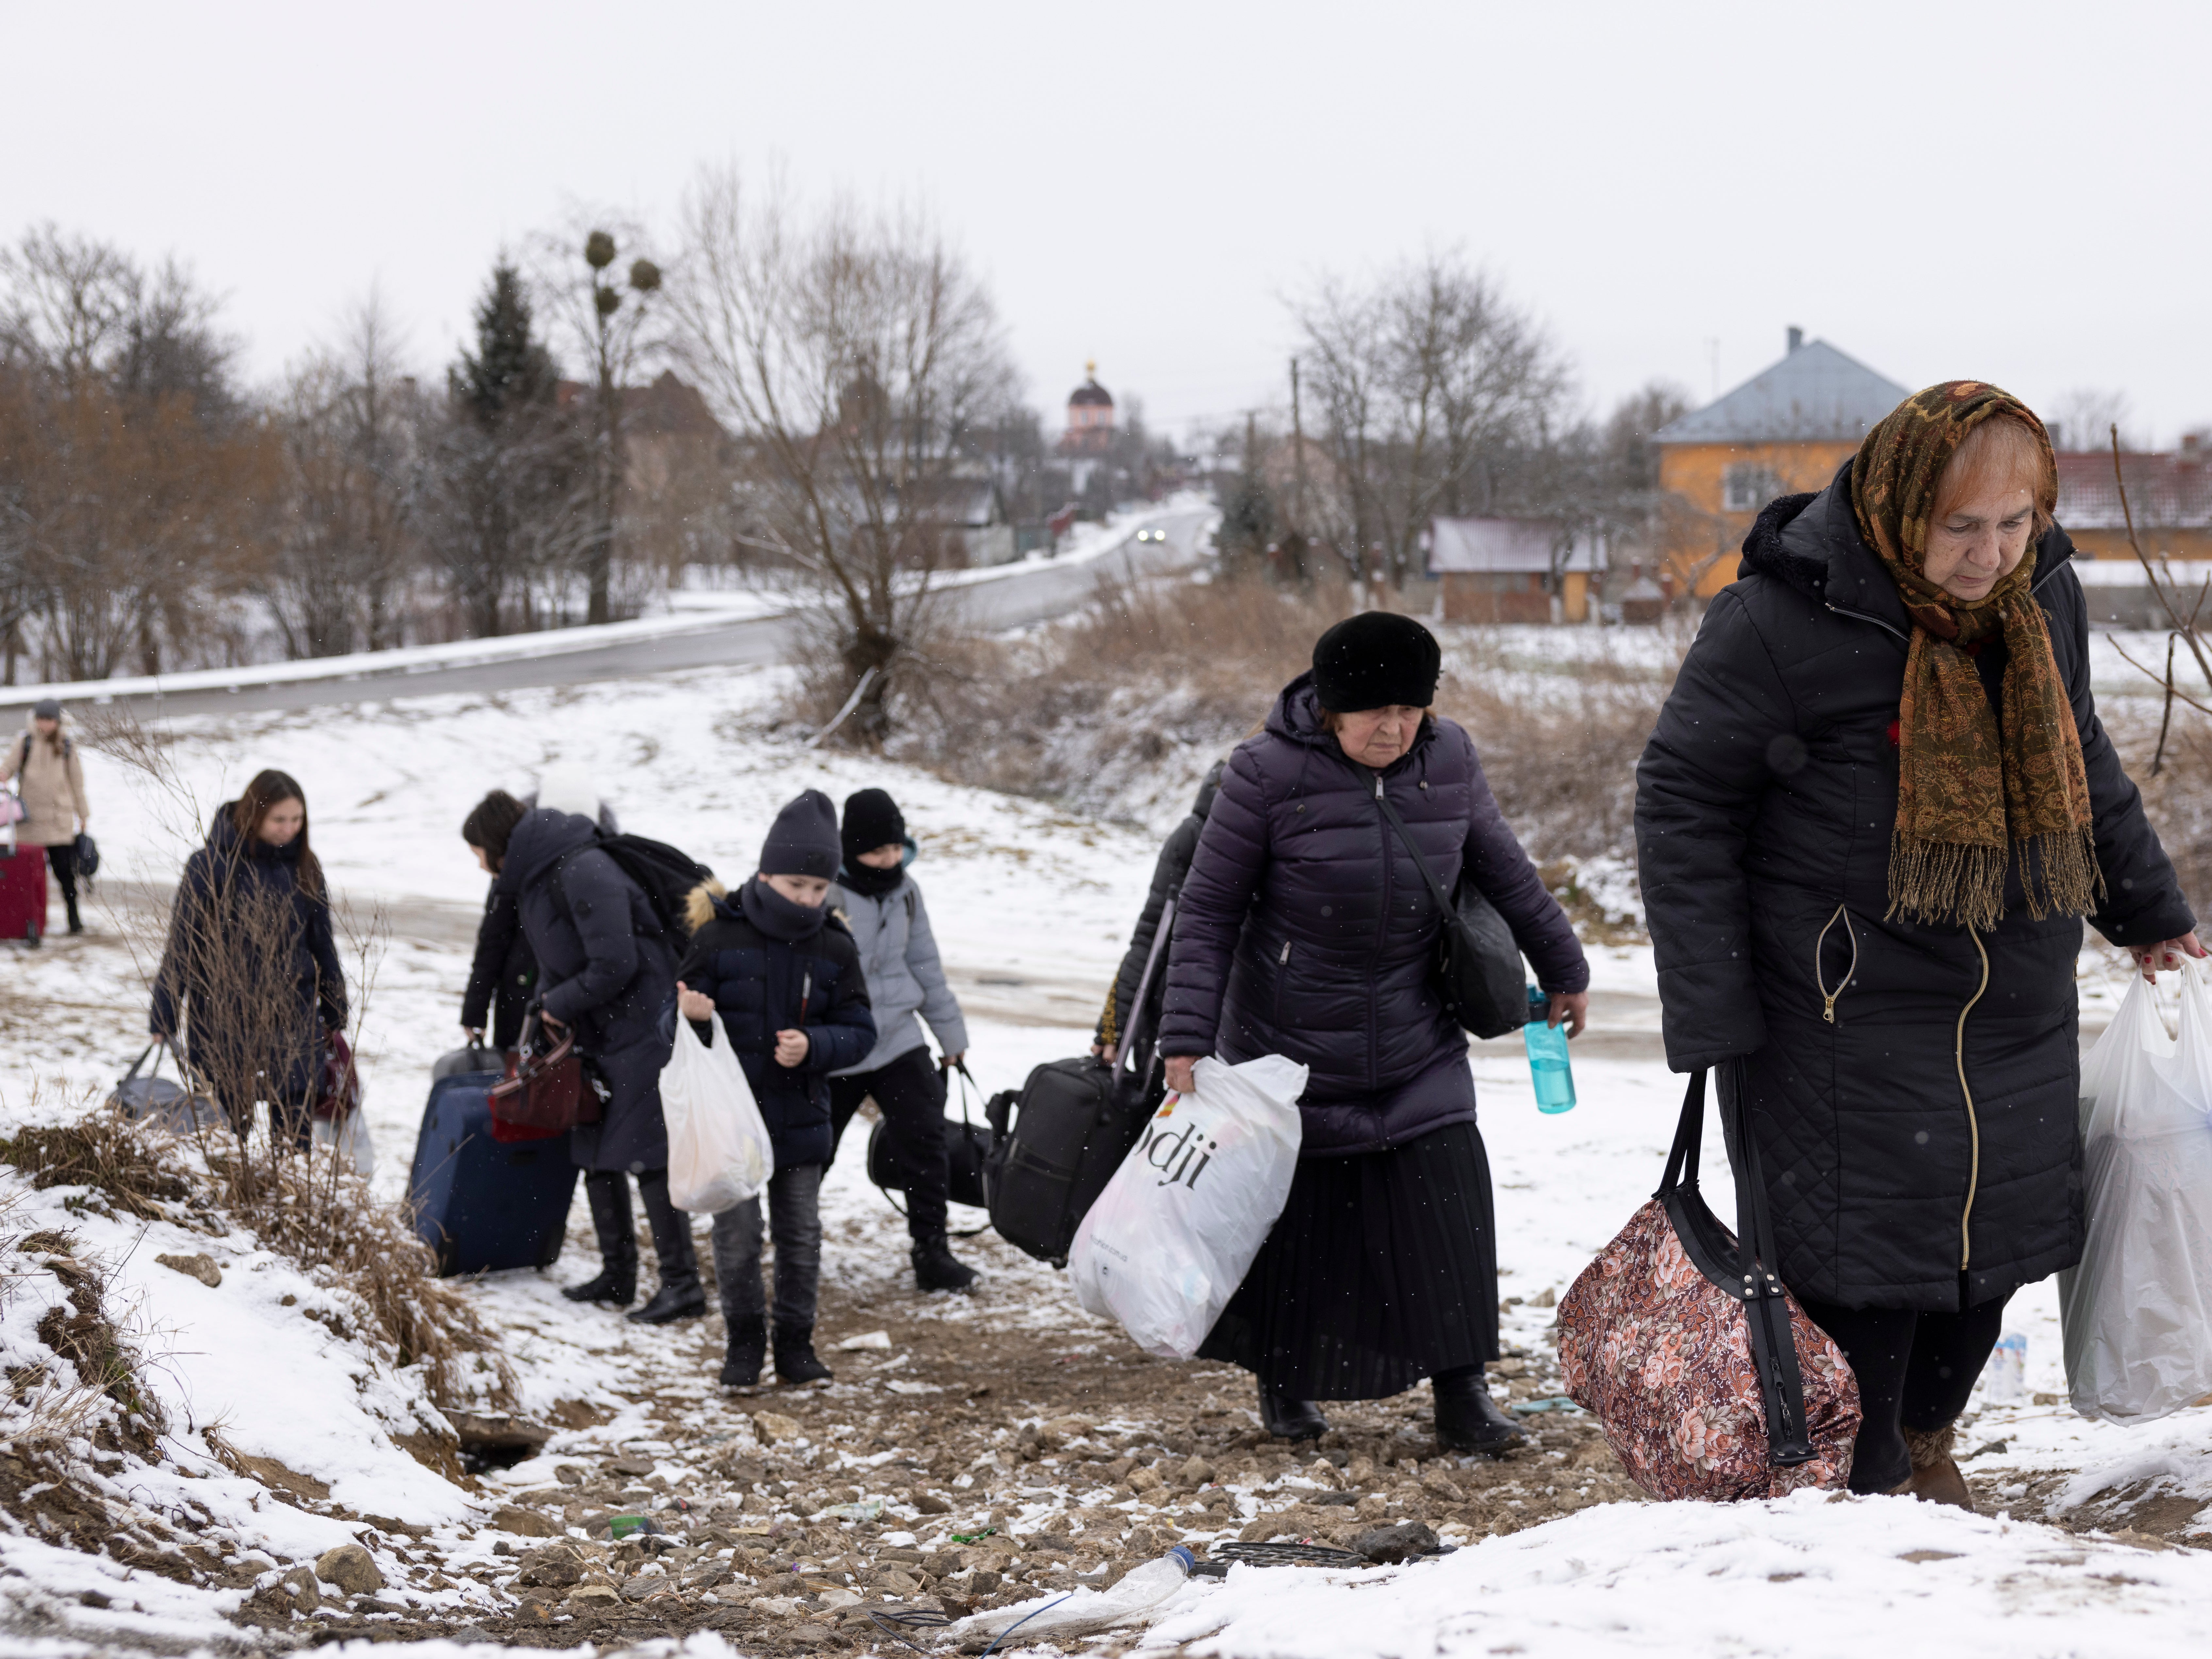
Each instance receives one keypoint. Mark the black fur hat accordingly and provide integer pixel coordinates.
(1376, 660)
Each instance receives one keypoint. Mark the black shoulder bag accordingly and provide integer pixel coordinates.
(1478, 964)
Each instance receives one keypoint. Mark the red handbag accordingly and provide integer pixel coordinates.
(545, 1091)
(1706, 1375)
(338, 1083)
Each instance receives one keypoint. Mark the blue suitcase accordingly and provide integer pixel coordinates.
(482, 1206)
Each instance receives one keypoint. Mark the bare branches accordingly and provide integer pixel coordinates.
(858, 358)
(1427, 382)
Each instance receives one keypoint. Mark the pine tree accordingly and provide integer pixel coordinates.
(512, 468)
(510, 368)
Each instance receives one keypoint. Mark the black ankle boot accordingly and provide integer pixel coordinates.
(607, 1192)
(1288, 1417)
(794, 1356)
(1468, 1419)
(936, 1269)
(680, 1295)
(748, 1350)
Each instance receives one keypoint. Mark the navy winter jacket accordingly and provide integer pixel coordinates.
(251, 968)
(1913, 1087)
(1305, 928)
(604, 968)
(756, 982)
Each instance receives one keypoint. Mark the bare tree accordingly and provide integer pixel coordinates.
(612, 322)
(1428, 383)
(858, 358)
(130, 471)
(2085, 417)
(346, 540)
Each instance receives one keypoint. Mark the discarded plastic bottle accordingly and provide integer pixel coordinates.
(1547, 1056)
(2007, 1371)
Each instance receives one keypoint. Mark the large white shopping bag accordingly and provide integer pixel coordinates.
(1175, 1232)
(719, 1151)
(2137, 1311)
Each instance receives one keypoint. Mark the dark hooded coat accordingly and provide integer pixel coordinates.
(605, 969)
(1168, 872)
(502, 974)
(761, 984)
(1917, 1132)
(1305, 928)
(250, 965)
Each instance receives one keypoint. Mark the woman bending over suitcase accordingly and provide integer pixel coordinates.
(606, 973)
(785, 976)
(882, 904)
(251, 975)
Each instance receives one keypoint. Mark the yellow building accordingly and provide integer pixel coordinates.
(1785, 430)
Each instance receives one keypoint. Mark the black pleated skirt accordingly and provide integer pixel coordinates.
(1381, 1271)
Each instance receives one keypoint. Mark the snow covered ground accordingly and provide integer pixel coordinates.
(1031, 906)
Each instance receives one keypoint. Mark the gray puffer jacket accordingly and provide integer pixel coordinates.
(898, 957)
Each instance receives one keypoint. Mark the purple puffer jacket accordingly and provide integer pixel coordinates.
(1305, 930)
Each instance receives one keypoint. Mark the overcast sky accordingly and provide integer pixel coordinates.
(2012, 192)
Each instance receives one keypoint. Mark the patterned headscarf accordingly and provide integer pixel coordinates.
(1972, 789)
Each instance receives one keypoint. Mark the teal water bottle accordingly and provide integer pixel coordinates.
(1547, 1056)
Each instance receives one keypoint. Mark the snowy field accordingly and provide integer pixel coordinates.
(1031, 906)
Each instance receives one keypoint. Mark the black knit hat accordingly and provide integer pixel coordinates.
(1376, 660)
(872, 819)
(802, 840)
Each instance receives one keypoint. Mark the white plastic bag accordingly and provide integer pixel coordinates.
(2137, 1312)
(719, 1153)
(350, 1136)
(1175, 1232)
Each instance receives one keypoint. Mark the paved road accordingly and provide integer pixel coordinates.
(1028, 594)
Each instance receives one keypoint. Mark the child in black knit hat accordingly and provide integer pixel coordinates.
(783, 973)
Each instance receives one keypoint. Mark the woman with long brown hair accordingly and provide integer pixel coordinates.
(250, 976)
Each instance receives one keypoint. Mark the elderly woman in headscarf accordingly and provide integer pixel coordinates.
(1875, 811)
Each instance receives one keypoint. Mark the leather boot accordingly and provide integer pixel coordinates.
(747, 1351)
(1468, 1419)
(795, 1362)
(76, 921)
(607, 1191)
(1287, 1417)
(1935, 1477)
(936, 1269)
(680, 1295)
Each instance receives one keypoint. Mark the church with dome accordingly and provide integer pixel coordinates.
(1090, 417)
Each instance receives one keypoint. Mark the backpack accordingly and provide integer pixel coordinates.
(665, 874)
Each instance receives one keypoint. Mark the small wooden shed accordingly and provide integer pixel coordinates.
(1511, 570)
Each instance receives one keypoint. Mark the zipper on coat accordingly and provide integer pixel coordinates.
(1974, 1123)
(1382, 938)
(1828, 997)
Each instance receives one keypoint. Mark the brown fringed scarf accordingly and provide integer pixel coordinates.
(1972, 790)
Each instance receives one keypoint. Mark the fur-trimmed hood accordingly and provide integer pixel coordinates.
(700, 904)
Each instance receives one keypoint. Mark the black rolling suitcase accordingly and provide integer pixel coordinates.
(482, 1205)
(1072, 1124)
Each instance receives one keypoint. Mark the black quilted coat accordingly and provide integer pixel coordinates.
(1912, 1088)
(760, 985)
(1305, 930)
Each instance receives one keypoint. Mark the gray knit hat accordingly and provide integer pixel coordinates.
(46, 709)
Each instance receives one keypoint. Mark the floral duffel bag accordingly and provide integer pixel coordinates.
(1706, 1375)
